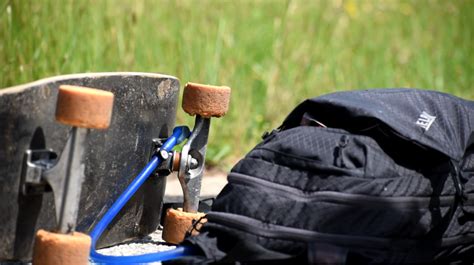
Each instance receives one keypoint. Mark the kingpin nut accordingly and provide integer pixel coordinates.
(193, 163)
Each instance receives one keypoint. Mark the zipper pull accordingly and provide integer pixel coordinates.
(339, 159)
(267, 134)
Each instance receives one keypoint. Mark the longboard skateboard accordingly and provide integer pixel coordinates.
(144, 109)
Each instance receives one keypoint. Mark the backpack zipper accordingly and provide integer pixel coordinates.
(344, 198)
(259, 228)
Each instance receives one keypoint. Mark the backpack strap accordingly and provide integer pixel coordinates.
(458, 179)
(460, 197)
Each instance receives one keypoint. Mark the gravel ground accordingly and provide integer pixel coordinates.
(150, 244)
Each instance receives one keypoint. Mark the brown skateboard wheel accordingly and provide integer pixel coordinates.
(84, 107)
(178, 223)
(59, 249)
(205, 100)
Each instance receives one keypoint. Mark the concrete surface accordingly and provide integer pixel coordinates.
(212, 183)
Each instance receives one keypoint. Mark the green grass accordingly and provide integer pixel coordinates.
(273, 54)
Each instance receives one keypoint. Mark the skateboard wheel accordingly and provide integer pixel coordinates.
(58, 249)
(84, 107)
(205, 100)
(177, 224)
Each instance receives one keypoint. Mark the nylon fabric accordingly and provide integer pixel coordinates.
(374, 186)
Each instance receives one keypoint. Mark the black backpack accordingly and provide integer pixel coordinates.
(376, 176)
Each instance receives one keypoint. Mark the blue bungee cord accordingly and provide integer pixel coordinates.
(179, 134)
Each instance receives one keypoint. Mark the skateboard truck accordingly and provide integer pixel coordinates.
(205, 102)
(191, 164)
(82, 108)
(43, 171)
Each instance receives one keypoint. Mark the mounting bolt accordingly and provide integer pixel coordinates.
(164, 154)
(193, 163)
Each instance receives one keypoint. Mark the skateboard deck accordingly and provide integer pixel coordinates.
(144, 108)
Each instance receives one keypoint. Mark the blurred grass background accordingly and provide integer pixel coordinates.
(273, 54)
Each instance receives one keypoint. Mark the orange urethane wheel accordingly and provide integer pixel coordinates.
(84, 107)
(178, 223)
(59, 249)
(205, 100)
